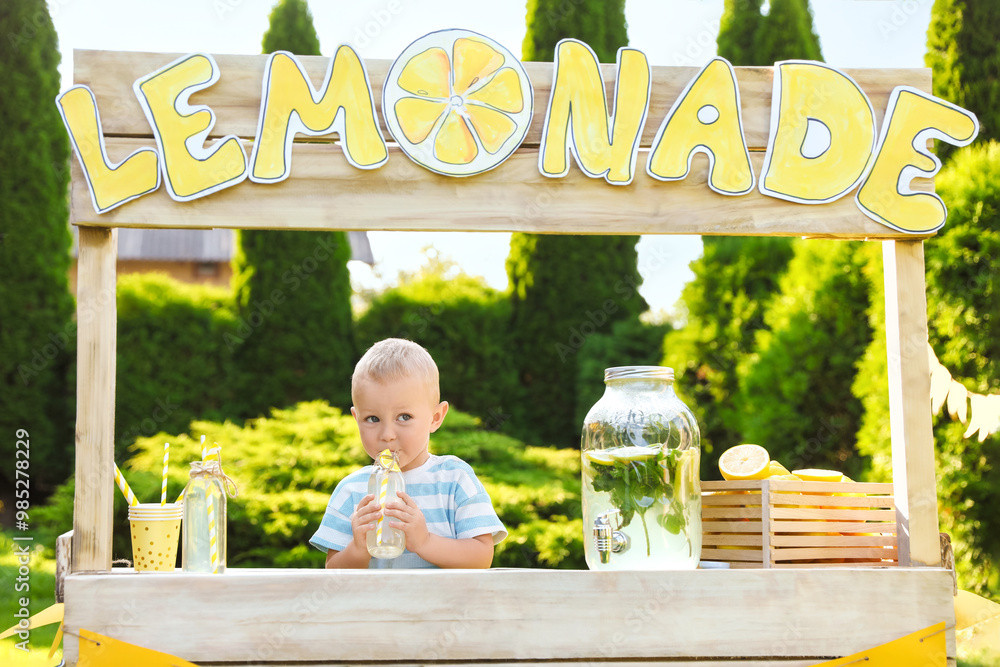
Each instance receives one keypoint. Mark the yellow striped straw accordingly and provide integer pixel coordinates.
(213, 454)
(382, 489)
(213, 539)
(125, 488)
(163, 488)
(204, 452)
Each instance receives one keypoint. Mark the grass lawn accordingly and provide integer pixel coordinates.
(40, 592)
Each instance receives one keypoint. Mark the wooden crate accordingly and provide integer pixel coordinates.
(779, 523)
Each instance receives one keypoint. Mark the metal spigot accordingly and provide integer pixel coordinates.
(607, 538)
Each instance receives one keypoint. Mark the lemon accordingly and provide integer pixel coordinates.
(745, 462)
(458, 103)
(774, 468)
(818, 475)
(633, 453)
(599, 457)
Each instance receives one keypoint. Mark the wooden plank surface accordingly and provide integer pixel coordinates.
(235, 98)
(770, 662)
(97, 342)
(909, 407)
(325, 192)
(511, 615)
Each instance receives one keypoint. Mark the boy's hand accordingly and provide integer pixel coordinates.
(409, 519)
(364, 519)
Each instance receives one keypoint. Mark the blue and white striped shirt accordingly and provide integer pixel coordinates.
(446, 490)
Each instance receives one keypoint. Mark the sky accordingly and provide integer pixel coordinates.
(853, 33)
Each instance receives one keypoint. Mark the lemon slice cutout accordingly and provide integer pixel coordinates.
(633, 453)
(745, 462)
(599, 457)
(818, 475)
(457, 102)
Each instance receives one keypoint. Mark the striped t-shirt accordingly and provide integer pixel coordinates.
(446, 490)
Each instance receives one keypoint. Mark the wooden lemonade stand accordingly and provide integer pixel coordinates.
(787, 617)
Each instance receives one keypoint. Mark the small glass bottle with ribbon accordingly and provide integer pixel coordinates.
(204, 526)
(386, 479)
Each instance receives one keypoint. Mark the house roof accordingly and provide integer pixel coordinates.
(199, 245)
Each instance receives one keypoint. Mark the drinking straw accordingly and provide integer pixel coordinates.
(163, 488)
(213, 454)
(125, 488)
(204, 452)
(382, 492)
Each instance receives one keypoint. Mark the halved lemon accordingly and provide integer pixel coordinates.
(774, 468)
(818, 475)
(599, 457)
(633, 453)
(458, 103)
(745, 462)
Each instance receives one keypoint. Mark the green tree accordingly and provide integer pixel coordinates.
(37, 334)
(293, 290)
(564, 288)
(963, 302)
(964, 53)
(724, 304)
(788, 33)
(599, 23)
(795, 396)
(735, 278)
(737, 41)
(747, 38)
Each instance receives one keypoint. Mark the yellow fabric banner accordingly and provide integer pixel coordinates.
(925, 648)
(99, 651)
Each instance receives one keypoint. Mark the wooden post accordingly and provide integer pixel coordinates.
(97, 342)
(910, 404)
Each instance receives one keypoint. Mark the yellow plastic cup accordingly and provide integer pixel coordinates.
(156, 530)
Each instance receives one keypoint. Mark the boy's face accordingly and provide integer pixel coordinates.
(399, 416)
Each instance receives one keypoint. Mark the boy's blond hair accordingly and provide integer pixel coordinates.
(395, 359)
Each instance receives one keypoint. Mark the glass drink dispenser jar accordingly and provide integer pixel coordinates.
(641, 450)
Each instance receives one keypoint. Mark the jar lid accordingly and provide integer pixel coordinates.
(638, 373)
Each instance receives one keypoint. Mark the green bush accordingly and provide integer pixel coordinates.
(287, 465)
(174, 364)
(463, 324)
(629, 343)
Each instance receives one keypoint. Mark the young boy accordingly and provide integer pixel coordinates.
(446, 514)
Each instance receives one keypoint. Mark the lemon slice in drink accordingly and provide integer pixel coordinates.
(745, 462)
(633, 453)
(599, 457)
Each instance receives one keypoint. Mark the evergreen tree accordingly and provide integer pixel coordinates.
(37, 335)
(734, 280)
(565, 288)
(737, 41)
(787, 33)
(747, 38)
(964, 53)
(963, 303)
(736, 277)
(795, 396)
(293, 289)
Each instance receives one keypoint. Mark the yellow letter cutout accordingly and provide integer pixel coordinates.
(190, 170)
(578, 103)
(822, 134)
(911, 118)
(705, 119)
(290, 104)
(110, 184)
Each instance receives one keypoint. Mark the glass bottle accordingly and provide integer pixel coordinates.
(204, 525)
(641, 451)
(386, 479)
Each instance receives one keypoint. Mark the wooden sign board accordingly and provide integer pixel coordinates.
(326, 192)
